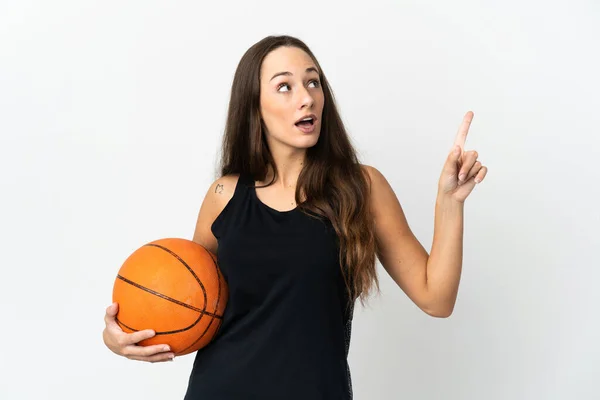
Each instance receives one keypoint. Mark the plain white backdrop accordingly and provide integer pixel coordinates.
(111, 116)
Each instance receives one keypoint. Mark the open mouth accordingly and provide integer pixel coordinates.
(306, 126)
(309, 122)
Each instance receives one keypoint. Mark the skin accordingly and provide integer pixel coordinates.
(429, 280)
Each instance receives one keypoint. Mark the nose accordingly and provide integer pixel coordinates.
(306, 99)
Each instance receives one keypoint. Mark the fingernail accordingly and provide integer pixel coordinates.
(461, 177)
(166, 348)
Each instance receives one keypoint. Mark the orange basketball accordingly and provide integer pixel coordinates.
(173, 286)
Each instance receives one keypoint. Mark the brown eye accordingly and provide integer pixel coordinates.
(282, 85)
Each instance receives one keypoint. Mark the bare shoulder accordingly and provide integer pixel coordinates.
(382, 198)
(221, 191)
(373, 175)
(217, 196)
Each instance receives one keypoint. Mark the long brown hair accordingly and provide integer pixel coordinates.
(332, 180)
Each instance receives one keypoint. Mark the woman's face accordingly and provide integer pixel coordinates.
(289, 97)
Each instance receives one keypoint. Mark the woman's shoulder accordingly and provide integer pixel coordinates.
(379, 187)
(222, 190)
(217, 196)
(371, 173)
(367, 169)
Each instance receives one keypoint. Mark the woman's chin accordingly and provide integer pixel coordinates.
(307, 141)
(299, 141)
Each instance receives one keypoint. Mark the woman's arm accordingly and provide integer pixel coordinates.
(218, 195)
(430, 280)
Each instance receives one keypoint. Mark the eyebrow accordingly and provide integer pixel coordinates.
(287, 73)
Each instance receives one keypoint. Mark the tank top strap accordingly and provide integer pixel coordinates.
(244, 183)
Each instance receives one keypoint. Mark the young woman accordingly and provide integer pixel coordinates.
(297, 223)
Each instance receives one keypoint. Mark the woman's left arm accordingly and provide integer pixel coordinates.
(430, 280)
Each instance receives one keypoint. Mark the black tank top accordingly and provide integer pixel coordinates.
(286, 328)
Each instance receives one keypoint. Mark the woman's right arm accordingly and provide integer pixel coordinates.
(126, 344)
(218, 195)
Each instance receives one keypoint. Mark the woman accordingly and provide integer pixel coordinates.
(297, 223)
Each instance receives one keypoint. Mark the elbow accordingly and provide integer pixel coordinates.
(442, 311)
(435, 305)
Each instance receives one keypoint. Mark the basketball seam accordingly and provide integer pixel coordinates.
(164, 296)
(203, 290)
(216, 306)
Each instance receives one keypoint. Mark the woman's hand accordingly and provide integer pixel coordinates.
(125, 344)
(462, 171)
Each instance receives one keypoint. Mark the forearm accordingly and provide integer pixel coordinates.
(445, 260)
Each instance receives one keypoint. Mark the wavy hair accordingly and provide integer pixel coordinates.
(334, 184)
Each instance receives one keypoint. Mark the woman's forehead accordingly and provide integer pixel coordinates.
(286, 61)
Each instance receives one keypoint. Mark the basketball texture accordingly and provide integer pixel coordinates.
(173, 286)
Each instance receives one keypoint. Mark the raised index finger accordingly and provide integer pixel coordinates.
(463, 130)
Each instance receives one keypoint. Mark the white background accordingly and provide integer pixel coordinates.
(111, 116)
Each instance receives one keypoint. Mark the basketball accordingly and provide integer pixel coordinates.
(174, 287)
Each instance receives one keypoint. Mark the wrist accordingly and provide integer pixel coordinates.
(448, 201)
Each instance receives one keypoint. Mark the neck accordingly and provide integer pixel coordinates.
(289, 165)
